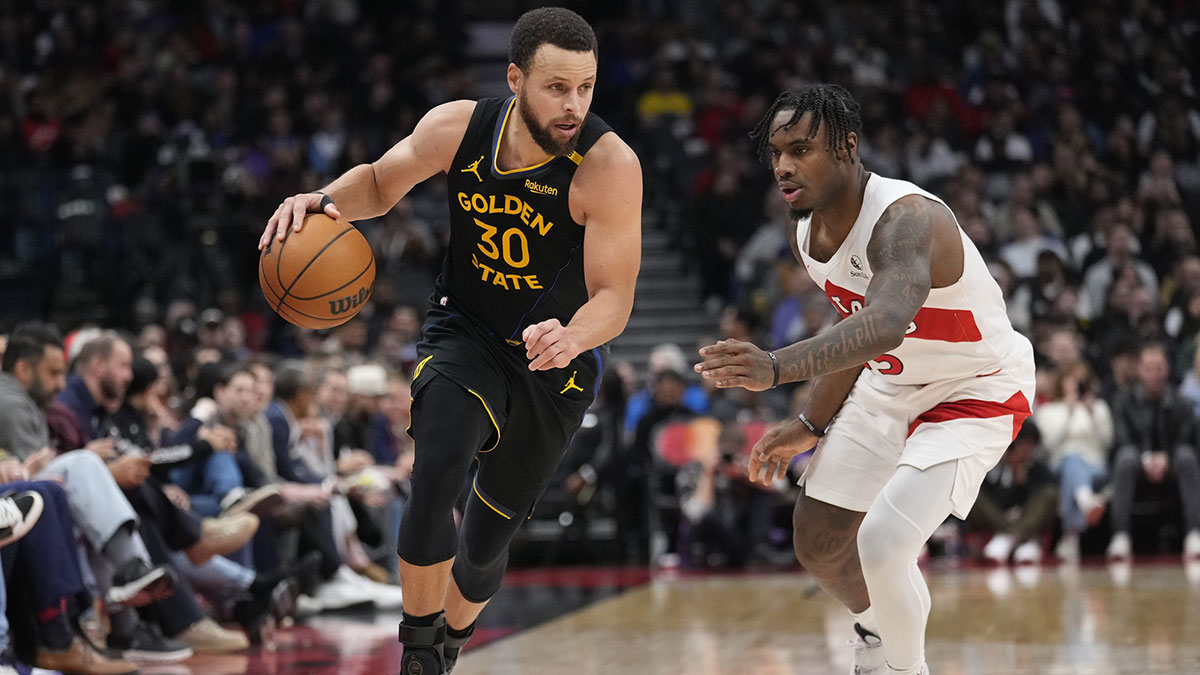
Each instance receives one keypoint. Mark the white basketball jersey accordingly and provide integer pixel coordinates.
(960, 330)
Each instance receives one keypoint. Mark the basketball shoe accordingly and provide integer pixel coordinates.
(868, 653)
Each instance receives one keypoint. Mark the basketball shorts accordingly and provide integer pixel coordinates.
(970, 420)
(534, 414)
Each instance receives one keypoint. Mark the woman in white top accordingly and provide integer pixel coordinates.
(1077, 431)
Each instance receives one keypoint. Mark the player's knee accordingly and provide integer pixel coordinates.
(878, 547)
(822, 545)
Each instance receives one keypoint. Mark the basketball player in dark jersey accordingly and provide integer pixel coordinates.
(545, 246)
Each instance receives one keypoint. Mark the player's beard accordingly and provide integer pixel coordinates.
(800, 214)
(543, 136)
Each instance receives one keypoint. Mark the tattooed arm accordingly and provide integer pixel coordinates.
(900, 253)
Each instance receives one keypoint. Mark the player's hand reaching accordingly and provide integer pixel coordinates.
(549, 345)
(733, 363)
(289, 217)
(775, 450)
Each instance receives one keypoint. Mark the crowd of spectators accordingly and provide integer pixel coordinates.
(142, 144)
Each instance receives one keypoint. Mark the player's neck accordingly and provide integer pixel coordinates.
(840, 214)
(517, 147)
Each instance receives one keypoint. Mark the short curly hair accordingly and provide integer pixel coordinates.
(549, 25)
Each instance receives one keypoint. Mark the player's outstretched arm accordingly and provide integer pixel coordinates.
(899, 253)
(609, 187)
(370, 190)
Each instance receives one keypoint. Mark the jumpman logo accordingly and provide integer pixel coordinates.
(571, 383)
(473, 167)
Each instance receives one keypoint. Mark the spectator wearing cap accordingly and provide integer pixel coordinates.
(664, 357)
(367, 385)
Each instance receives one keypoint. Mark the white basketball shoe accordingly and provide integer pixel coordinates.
(868, 653)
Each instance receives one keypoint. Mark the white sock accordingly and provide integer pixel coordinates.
(866, 619)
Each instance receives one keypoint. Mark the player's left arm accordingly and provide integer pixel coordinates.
(900, 253)
(609, 186)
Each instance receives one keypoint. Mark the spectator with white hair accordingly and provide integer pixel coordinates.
(666, 356)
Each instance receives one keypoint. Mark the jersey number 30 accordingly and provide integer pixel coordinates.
(516, 255)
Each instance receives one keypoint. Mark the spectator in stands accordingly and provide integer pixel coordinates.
(34, 373)
(214, 483)
(1077, 433)
(41, 565)
(103, 368)
(727, 516)
(367, 384)
(664, 357)
(1155, 434)
(247, 596)
(1029, 241)
(1119, 253)
(1016, 502)
(303, 458)
(666, 404)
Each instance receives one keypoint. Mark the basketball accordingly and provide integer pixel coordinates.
(319, 277)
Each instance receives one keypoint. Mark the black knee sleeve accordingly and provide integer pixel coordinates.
(483, 555)
(449, 426)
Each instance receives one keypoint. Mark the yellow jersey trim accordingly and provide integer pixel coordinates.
(490, 416)
(500, 136)
(475, 487)
(575, 157)
(420, 367)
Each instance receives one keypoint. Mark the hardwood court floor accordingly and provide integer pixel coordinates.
(1143, 619)
(1058, 621)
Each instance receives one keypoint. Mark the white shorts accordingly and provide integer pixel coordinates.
(882, 425)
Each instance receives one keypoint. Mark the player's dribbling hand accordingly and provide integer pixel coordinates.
(775, 450)
(733, 363)
(549, 345)
(289, 217)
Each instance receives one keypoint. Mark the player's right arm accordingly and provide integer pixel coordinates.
(371, 190)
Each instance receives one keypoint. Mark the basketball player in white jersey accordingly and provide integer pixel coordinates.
(917, 392)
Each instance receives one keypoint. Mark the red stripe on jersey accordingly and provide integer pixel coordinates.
(972, 408)
(930, 323)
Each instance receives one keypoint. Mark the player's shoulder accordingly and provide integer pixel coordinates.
(897, 198)
(448, 117)
(610, 153)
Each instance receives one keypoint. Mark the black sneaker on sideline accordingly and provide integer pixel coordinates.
(136, 584)
(19, 512)
(148, 645)
(273, 595)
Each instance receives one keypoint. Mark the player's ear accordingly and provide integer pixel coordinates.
(852, 146)
(515, 78)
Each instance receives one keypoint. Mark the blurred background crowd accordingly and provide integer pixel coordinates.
(143, 143)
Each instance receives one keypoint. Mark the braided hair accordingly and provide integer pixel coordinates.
(828, 103)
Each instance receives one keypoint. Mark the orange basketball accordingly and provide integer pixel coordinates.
(319, 277)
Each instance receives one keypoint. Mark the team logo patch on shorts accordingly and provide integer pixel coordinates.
(571, 383)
